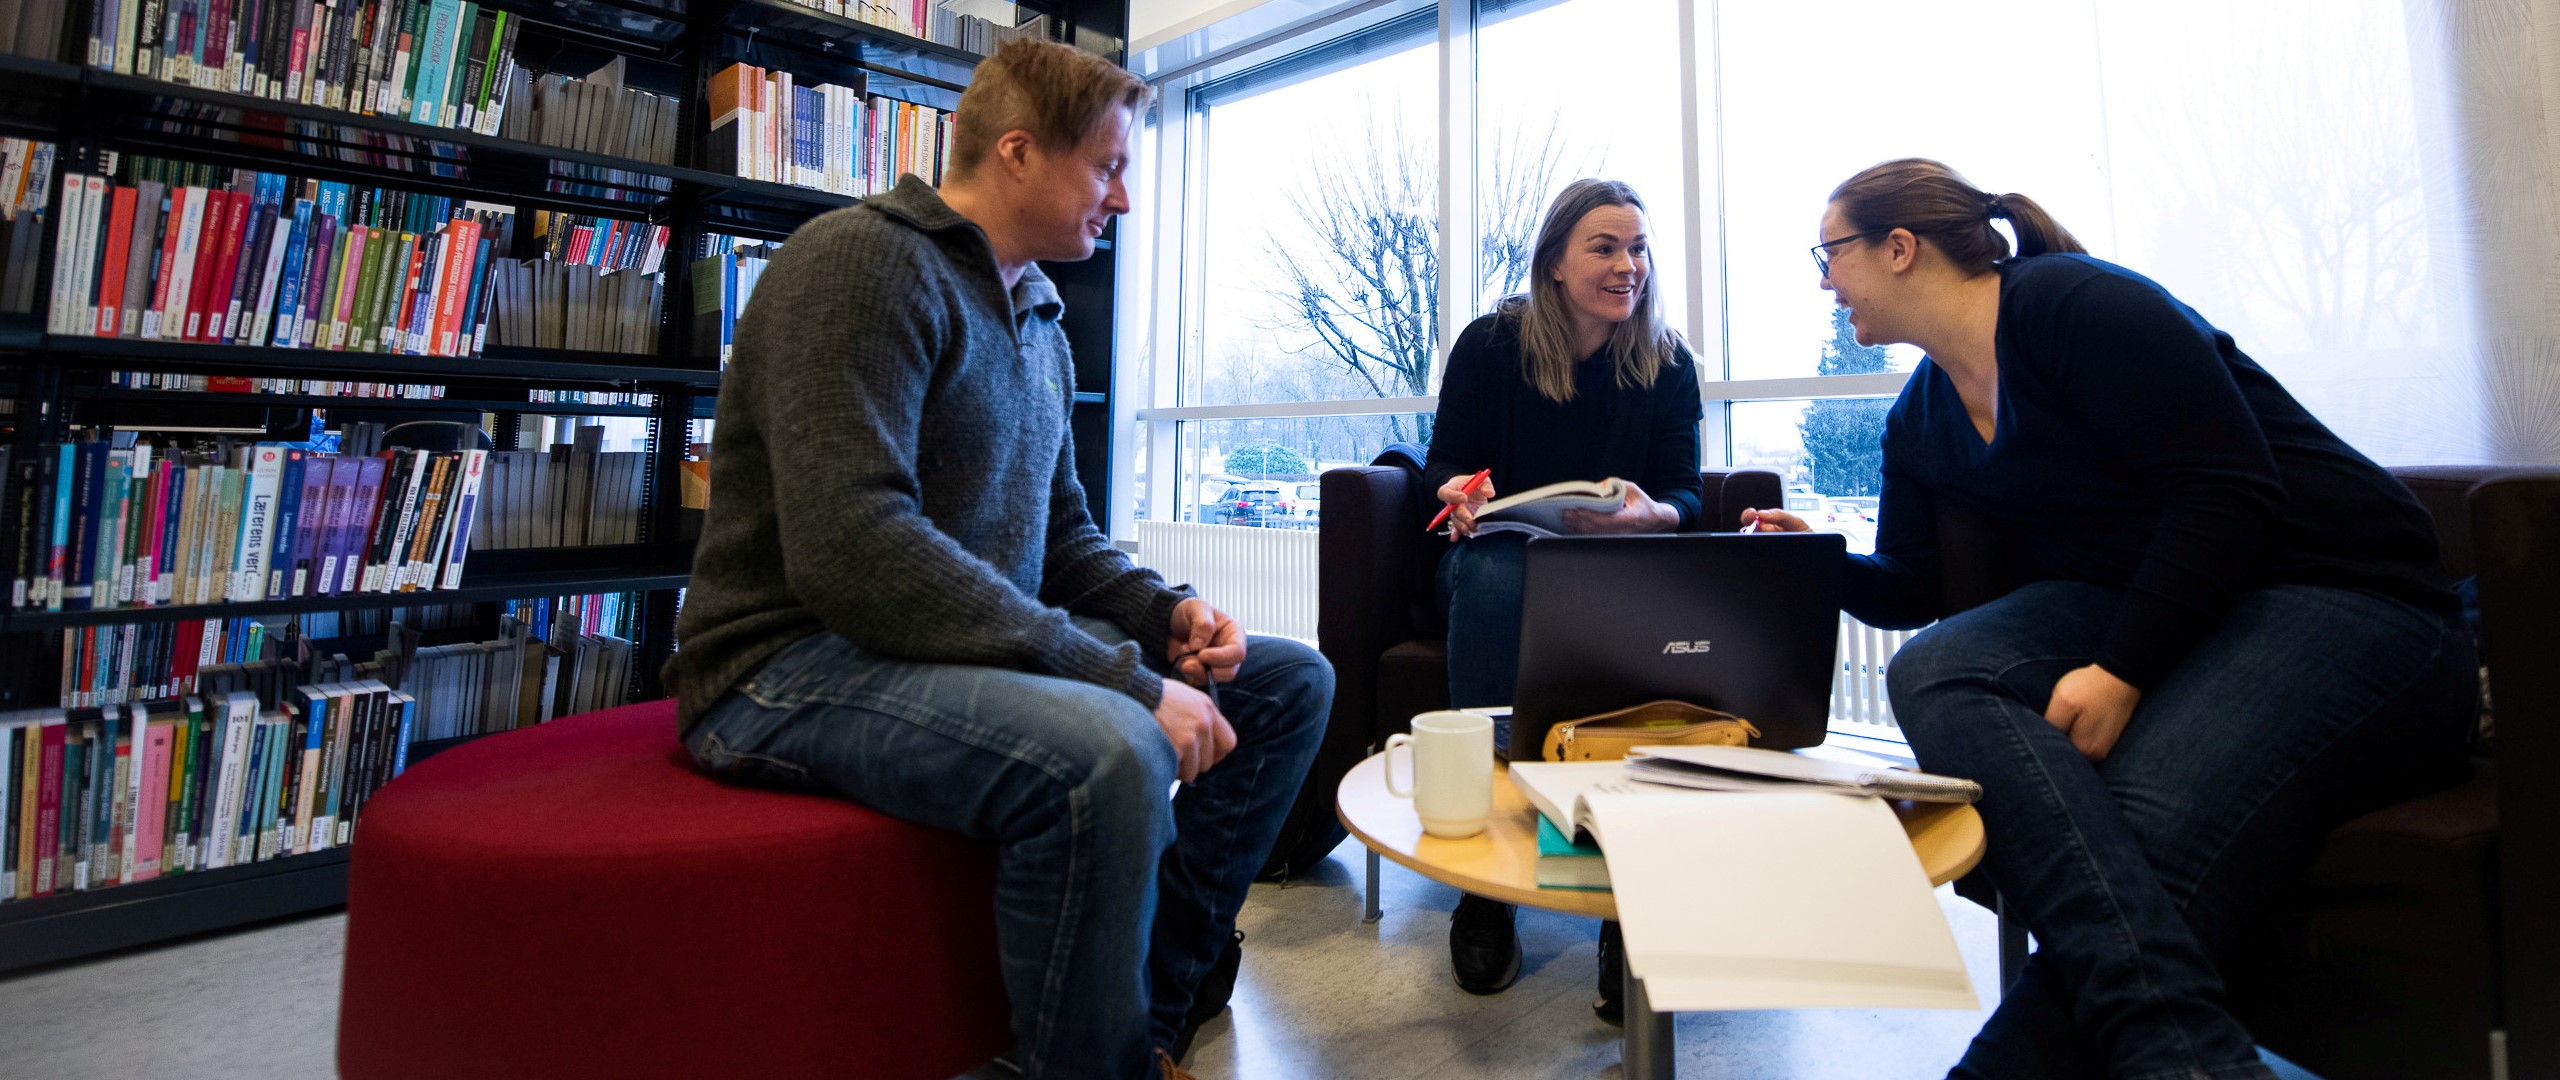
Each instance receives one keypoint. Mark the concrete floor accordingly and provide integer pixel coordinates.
(1322, 995)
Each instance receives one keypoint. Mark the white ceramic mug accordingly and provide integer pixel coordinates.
(1452, 788)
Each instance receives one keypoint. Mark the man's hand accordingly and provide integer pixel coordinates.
(1192, 723)
(1202, 642)
(1463, 504)
(2092, 706)
(1638, 514)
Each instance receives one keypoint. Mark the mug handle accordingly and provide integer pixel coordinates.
(1393, 741)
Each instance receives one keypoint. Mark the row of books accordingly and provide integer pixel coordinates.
(765, 126)
(96, 526)
(124, 663)
(241, 384)
(600, 242)
(571, 495)
(252, 258)
(971, 33)
(596, 114)
(520, 679)
(722, 285)
(26, 186)
(26, 176)
(590, 397)
(555, 305)
(97, 797)
(944, 22)
(442, 63)
(33, 28)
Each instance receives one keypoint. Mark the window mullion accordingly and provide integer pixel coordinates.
(1457, 169)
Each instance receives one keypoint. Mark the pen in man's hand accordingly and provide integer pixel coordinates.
(1470, 489)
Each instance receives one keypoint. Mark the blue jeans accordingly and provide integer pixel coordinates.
(2303, 707)
(1479, 583)
(1112, 900)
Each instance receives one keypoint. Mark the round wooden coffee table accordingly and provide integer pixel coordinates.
(1500, 863)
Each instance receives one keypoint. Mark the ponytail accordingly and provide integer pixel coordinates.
(1940, 206)
(2038, 233)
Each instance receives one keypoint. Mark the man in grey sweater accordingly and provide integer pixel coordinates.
(901, 599)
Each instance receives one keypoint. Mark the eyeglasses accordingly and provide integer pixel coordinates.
(1822, 251)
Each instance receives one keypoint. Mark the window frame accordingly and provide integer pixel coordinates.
(1166, 234)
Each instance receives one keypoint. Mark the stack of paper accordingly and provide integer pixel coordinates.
(1759, 900)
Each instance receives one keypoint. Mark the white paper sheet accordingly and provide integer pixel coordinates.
(1775, 901)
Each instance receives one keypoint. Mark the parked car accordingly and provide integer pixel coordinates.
(1216, 489)
(1306, 502)
(1849, 509)
(1261, 505)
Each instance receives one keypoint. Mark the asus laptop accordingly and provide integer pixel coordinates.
(1744, 622)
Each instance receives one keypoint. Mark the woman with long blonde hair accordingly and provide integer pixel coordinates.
(1575, 378)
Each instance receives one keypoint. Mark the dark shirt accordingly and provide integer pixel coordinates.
(2137, 448)
(1492, 417)
(895, 467)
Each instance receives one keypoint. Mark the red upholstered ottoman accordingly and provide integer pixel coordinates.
(573, 900)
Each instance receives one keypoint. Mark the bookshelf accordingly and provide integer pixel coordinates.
(55, 383)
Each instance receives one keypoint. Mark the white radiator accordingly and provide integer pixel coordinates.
(1858, 702)
(1266, 578)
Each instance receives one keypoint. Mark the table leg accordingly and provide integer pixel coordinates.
(1369, 912)
(1646, 1050)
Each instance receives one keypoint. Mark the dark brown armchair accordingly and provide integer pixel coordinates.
(2411, 948)
(1379, 623)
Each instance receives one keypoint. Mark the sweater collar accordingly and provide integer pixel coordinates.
(920, 206)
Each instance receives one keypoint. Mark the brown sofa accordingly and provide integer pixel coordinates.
(1379, 622)
(2408, 952)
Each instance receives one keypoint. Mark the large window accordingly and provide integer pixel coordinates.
(2280, 165)
(1535, 133)
(1318, 211)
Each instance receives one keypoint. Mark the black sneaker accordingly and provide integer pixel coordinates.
(1613, 976)
(1483, 946)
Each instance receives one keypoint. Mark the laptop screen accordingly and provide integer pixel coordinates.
(1746, 623)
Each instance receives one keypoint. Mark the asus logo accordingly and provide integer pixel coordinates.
(1683, 648)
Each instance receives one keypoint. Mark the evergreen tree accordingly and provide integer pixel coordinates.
(1844, 437)
(1266, 459)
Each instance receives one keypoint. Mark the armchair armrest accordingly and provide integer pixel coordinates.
(1372, 558)
(2515, 533)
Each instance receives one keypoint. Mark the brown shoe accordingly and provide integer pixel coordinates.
(1164, 1062)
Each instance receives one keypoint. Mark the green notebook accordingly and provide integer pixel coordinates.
(1563, 864)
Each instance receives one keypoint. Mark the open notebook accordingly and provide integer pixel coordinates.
(1760, 900)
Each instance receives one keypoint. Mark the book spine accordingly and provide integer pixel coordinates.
(278, 582)
(112, 274)
(364, 515)
(257, 523)
(182, 267)
(458, 544)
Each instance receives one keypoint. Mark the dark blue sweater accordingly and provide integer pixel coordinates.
(2135, 447)
(1492, 417)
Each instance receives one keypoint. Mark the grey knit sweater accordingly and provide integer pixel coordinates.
(893, 465)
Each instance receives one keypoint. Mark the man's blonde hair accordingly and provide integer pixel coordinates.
(1056, 92)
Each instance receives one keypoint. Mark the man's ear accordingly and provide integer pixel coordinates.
(1013, 151)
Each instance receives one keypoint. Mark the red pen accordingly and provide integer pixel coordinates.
(1470, 489)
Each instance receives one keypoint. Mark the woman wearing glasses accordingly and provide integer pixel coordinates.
(1575, 378)
(2232, 640)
